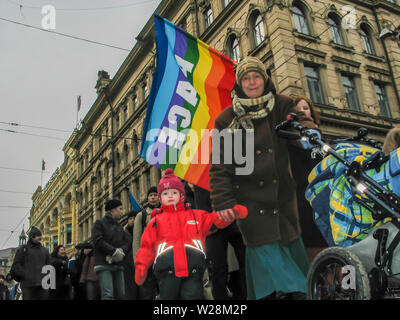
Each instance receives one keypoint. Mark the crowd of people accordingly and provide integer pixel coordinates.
(249, 237)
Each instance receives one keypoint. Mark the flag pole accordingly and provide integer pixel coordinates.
(78, 107)
(41, 174)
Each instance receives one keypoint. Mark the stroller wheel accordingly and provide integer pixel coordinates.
(328, 280)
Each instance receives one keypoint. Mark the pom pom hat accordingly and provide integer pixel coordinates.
(170, 181)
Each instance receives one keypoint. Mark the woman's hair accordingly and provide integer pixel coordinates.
(56, 249)
(392, 140)
(314, 112)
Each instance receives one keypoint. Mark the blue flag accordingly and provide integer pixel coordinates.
(134, 205)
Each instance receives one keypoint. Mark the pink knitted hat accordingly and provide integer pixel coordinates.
(170, 181)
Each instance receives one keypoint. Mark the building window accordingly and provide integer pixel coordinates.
(136, 190)
(117, 122)
(208, 17)
(145, 91)
(351, 93)
(367, 40)
(225, 3)
(125, 113)
(383, 100)
(126, 155)
(258, 31)
(300, 20)
(314, 84)
(135, 103)
(117, 163)
(69, 234)
(183, 24)
(55, 242)
(148, 181)
(87, 160)
(234, 49)
(336, 31)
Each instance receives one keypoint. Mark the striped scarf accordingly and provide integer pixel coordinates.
(261, 107)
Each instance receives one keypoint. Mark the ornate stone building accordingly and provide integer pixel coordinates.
(344, 55)
(54, 207)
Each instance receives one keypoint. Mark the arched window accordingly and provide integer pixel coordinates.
(99, 180)
(366, 38)
(126, 156)
(335, 28)
(300, 20)
(117, 163)
(234, 49)
(258, 30)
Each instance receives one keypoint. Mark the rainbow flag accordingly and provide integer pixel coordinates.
(191, 86)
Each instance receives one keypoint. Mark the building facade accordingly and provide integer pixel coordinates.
(344, 55)
(54, 207)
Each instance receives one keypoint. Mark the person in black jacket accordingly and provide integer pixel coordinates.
(217, 259)
(27, 266)
(4, 292)
(75, 270)
(131, 290)
(302, 164)
(59, 260)
(111, 244)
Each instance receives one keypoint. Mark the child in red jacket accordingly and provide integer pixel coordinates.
(174, 242)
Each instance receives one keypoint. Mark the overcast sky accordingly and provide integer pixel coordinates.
(41, 75)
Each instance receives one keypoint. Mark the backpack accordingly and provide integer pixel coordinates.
(144, 219)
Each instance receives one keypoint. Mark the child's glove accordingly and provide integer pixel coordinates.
(240, 211)
(140, 274)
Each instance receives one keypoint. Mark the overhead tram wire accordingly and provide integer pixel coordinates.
(34, 135)
(20, 5)
(16, 192)
(34, 127)
(60, 130)
(24, 170)
(64, 34)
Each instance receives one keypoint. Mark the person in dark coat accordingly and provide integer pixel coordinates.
(129, 266)
(302, 164)
(75, 269)
(59, 260)
(111, 244)
(149, 289)
(217, 260)
(4, 292)
(276, 261)
(27, 266)
(89, 278)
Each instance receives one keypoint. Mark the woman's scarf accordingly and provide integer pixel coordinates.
(260, 108)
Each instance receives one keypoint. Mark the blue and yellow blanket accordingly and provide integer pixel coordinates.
(340, 218)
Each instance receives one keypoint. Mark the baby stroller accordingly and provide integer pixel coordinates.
(354, 195)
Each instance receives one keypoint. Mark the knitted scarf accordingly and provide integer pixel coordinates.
(260, 108)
